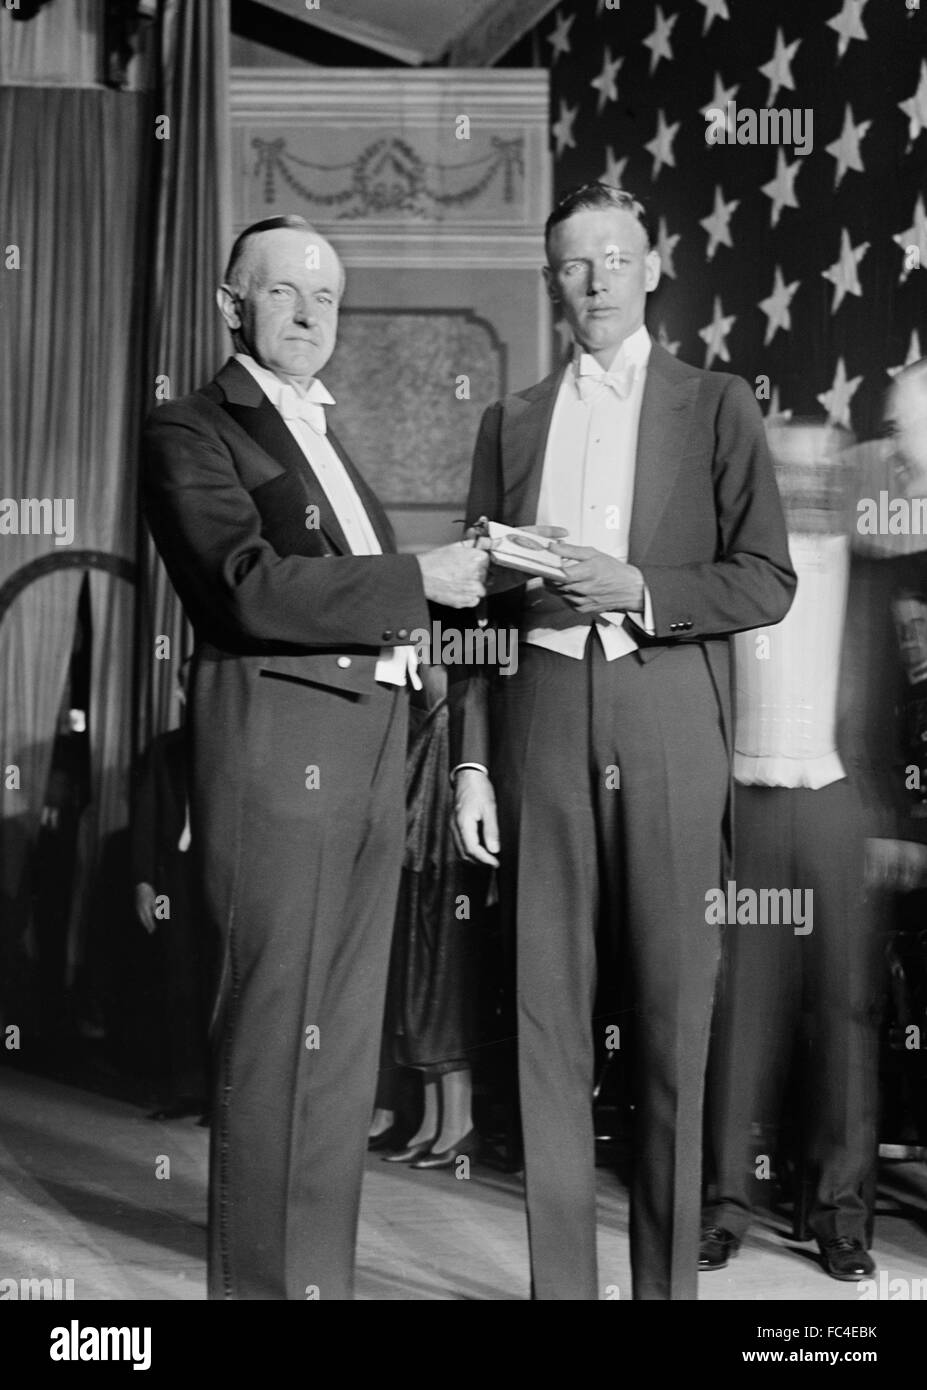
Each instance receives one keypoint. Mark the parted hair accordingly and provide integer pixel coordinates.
(268, 224)
(599, 195)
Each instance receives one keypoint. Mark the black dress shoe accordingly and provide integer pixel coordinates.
(847, 1259)
(467, 1147)
(386, 1139)
(409, 1153)
(716, 1247)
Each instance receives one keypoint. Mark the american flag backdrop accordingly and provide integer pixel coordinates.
(806, 270)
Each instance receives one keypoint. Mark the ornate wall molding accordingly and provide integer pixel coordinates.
(389, 178)
(402, 167)
(434, 187)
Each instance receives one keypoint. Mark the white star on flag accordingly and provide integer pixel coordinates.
(846, 149)
(781, 189)
(562, 129)
(658, 42)
(614, 168)
(915, 108)
(605, 83)
(661, 146)
(836, 401)
(776, 307)
(665, 247)
(559, 38)
(713, 335)
(779, 69)
(842, 273)
(719, 101)
(664, 340)
(714, 9)
(849, 24)
(915, 238)
(914, 355)
(718, 224)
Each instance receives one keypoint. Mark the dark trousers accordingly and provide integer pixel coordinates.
(781, 991)
(308, 949)
(593, 872)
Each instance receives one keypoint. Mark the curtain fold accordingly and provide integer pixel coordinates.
(113, 243)
(60, 45)
(192, 238)
(35, 649)
(73, 187)
(112, 618)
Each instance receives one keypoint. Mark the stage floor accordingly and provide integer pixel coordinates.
(81, 1199)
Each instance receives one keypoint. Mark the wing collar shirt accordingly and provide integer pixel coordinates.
(304, 416)
(587, 485)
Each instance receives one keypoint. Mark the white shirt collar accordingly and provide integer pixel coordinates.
(634, 351)
(275, 388)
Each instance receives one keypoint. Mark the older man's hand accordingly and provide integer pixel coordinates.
(474, 823)
(455, 575)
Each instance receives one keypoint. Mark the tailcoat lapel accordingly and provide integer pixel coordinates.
(525, 428)
(669, 397)
(248, 406)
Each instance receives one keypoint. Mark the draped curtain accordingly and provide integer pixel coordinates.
(112, 245)
(193, 235)
(73, 189)
(61, 44)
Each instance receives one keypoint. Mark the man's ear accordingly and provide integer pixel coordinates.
(228, 307)
(652, 270)
(553, 292)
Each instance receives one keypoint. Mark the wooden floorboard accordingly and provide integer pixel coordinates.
(81, 1198)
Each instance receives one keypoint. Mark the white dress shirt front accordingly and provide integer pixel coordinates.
(304, 415)
(587, 486)
(786, 677)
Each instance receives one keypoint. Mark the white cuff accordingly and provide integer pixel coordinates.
(645, 619)
(478, 767)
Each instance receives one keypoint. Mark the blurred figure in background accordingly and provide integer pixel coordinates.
(888, 595)
(58, 866)
(809, 977)
(165, 906)
(433, 999)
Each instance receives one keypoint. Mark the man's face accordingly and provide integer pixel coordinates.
(285, 311)
(600, 272)
(911, 624)
(908, 413)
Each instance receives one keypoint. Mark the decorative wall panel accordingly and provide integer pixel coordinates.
(436, 370)
(433, 187)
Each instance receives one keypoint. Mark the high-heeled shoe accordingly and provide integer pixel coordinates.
(467, 1147)
(386, 1139)
(410, 1152)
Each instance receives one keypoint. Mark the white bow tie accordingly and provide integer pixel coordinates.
(591, 379)
(309, 408)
